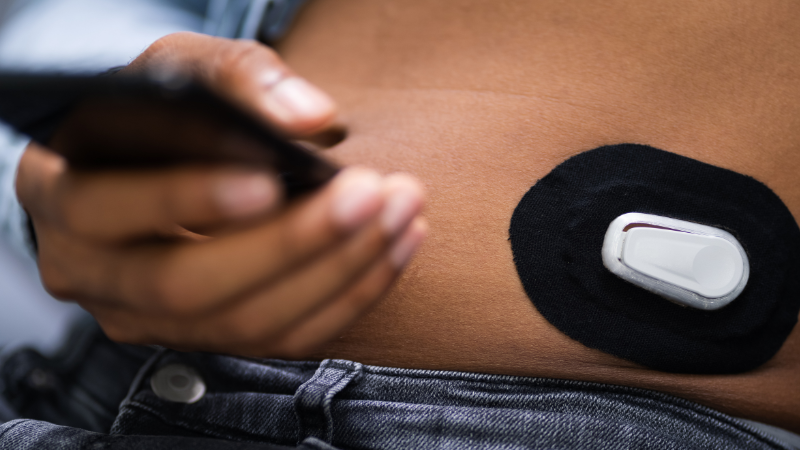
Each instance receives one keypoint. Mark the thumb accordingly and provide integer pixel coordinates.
(247, 73)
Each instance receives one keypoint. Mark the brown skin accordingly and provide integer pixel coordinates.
(479, 99)
(275, 280)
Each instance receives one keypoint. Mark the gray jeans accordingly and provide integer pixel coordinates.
(261, 404)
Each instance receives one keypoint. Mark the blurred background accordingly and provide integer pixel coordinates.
(90, 36)
(67, 36)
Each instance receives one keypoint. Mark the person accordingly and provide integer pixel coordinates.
(479, 117)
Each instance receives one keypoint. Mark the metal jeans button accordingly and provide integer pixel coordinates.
(178, 383)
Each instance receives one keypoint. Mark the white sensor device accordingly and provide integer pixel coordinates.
(690, 264)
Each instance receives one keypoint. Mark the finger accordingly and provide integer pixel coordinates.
(269, 310)
(302, 292)
(182, 279)
(328, 322)
(283, 305)
(272, 309)
(220, 335)
(248, 73)
(37, 176)
(306, 257)
(120, 206)
(189, 279)
(280, 306)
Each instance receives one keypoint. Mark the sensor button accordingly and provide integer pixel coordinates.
(707, 265)
(688, 263)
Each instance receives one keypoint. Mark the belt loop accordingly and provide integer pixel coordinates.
(312, 401)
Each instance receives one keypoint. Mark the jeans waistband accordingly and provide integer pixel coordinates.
(350, 405)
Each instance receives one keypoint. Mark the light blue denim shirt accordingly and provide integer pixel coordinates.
(13, 226)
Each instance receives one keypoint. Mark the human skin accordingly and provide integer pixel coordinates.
(265, 277)
(479, 99)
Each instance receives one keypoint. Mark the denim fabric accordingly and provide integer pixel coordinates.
(81, 386)
(351, 405)
(27, 434)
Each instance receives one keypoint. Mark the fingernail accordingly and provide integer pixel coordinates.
(357, 199)
(294, 98)
(400, 209)
(270, 78)
(407, 245)
(243, 195)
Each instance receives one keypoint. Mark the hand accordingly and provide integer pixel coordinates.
(275, 280)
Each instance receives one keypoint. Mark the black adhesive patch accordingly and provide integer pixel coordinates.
(557, 233)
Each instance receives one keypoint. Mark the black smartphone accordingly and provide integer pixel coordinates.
(121, 122)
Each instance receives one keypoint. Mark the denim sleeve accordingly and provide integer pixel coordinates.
(25, 434)
(13, 219)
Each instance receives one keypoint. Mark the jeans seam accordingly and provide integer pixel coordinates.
(141, 375)
(20, 421)
(584, 386)
(760, 434)
(339, 383)
(205, 428)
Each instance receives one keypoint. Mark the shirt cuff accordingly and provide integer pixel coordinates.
(13, 219)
